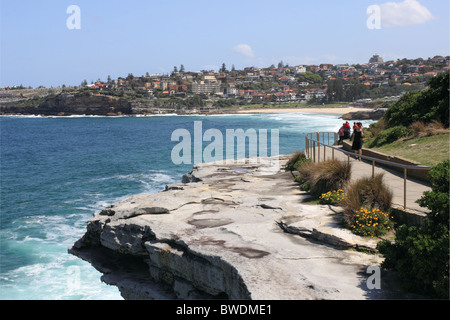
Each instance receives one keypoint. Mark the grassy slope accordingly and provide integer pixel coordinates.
(428, 151)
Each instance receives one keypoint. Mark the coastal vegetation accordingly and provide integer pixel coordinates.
(371, 223)
(428, 150)
(417, 128)
(366, 202)
(322, 177)
(367, 205)
(416, 114)
(332, 197)
(421, 254)
(293, 164)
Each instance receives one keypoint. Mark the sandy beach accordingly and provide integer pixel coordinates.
(329, 110)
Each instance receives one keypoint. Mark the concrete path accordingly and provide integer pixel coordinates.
(395, 179)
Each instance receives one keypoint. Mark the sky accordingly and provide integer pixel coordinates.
(56, 42)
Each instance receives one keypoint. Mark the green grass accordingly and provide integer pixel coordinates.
(428, 151)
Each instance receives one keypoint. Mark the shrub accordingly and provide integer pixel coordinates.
(427, 105)
(371, 223)
(375, 128)
(332, 197)
(389, 135)
(367, 193)
(295, 161)
(325, 176)
(421, 255)
(438, 200)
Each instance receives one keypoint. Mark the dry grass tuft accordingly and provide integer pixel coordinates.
(325, 176)
(433, 128)
(295, 161)
(368, 193)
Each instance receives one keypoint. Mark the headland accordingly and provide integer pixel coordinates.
(230, 231)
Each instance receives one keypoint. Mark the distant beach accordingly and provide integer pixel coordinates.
(337, 110)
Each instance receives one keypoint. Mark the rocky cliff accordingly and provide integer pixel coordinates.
(88, 104)
(240, 231)
(73, 104)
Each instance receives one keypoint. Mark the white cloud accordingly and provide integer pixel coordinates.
(245, 50)
(405, 13)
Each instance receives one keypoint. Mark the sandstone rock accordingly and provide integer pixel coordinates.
(364, 115)
(240, 232)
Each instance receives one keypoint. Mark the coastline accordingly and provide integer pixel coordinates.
(317, 110)
(76, 105)
(329, 110)
(226, 236)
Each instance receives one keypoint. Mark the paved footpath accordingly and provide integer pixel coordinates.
(414, 187)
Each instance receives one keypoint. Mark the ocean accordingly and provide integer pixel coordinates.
(57, 171)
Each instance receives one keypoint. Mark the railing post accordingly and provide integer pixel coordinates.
(318, 146)
(307, 145)
(404, 187)
(373, 168)
(314, 151)
(309, 148)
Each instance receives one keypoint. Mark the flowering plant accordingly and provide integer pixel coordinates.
(332, 197)
(371, 222)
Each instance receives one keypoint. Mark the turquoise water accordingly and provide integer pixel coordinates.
(56, 172)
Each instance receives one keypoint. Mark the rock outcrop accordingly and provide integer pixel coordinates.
(74, 104)
(86, 103)
(240, 231)
(365, 115)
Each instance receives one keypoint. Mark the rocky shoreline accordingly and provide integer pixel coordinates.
(230, 231)
(66, 105)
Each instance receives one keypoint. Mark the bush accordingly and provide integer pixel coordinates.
(371, 223)
(368, 193)
(332, 197)
(375, 128)
(295, 161)
(427, 105)
(325, 176)
(438, 200)
(389, 135)
(421, 255)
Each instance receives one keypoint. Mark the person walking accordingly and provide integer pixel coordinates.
(358, 134)
(346, 130)
(341, 134)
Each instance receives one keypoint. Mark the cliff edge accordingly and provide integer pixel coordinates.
(232, 231)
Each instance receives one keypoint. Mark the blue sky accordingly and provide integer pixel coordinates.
(120, 37)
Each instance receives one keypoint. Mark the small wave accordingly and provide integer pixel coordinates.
(21, 116)
(153, 180)
(155, 115)
(60, 279)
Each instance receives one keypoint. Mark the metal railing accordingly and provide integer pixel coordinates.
(313, 145)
